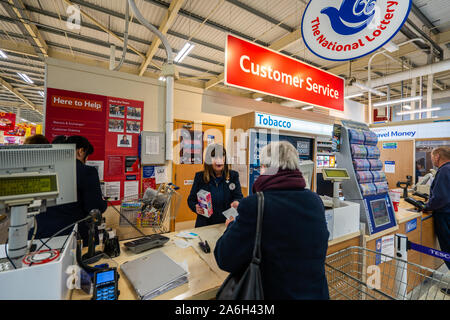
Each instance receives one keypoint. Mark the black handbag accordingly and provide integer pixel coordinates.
(247, 285)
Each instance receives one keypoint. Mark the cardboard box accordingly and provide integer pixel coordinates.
(204, 201)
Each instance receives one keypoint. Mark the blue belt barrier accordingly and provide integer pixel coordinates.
(429, 251)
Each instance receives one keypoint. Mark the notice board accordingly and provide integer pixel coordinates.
(112, 125)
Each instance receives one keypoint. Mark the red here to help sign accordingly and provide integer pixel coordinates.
(253, 67)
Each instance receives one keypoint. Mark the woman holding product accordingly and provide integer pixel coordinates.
(220, 181)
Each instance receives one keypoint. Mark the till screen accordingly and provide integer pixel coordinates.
(380, 212)
(27, 185)
(105, 277)
(336, 173)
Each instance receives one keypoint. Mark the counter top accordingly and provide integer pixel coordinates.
(205, 277)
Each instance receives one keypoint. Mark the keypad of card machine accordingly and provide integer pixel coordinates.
(105, 285)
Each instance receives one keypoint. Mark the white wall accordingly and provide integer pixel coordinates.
(352, 110)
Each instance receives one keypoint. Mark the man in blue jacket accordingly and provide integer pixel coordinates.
(439, 201)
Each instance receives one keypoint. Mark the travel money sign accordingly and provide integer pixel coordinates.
(257, 68)
(350, 29)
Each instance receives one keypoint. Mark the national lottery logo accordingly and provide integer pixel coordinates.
(348, 29)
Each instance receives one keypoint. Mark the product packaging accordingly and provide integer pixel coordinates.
(204, 201)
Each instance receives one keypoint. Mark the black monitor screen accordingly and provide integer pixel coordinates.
(380, 212)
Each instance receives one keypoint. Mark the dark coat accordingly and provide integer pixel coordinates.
(220, 202)
(439, 201)
(89, 196)
(294, 244)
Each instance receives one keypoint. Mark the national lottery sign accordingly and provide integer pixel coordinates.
(348, 29)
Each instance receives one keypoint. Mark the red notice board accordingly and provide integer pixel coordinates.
(112, 125)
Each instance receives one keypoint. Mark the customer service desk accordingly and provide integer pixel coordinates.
(205, 277)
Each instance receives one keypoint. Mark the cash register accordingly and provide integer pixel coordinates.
(342, 216)
(32, 178)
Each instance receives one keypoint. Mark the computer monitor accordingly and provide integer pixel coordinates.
(38, 172)
(29, 173)
(307, 168)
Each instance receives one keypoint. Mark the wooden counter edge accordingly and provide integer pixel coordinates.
(380, 234)
(407, 216)
(344, 238)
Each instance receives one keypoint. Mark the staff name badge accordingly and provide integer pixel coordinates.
(349, 29)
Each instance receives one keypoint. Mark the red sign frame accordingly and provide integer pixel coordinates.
(253, 67)
(93, 116)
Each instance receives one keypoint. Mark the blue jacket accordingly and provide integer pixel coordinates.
(294, 244)
(89, 196)
(222, 195)
(440, 191)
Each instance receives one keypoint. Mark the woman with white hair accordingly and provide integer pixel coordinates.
(294, 234)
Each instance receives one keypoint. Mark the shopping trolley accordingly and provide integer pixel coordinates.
(151, 209)
(357, 273)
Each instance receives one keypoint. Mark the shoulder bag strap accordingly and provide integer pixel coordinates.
(257, 249)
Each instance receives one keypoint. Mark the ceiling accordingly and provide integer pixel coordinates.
(33, 29)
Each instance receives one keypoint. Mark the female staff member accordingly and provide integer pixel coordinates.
(218, 179)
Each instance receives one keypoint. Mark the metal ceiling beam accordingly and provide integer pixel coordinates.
(107, 45)
(419, 14)
(15, 92)
(130, 37)
(173, 33)
(17, 8)
(200, 19)
(121, 16)
(167, 22)
(261, 15)
(420, 33)
(105, 29)
(103, 44)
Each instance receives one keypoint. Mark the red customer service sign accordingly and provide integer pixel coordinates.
(250, 66)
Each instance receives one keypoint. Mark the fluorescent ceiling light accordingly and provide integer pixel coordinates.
(418, 111)
(184, 52)
(3, 55)
(42, 93)
(259, 99)
(407, 107)
(162, 78)
(25, 77)
(390, 46)
(354, 95)
(307, 107)
(390, 102)
(364, 87)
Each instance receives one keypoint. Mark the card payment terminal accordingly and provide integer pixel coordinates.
(105, 285)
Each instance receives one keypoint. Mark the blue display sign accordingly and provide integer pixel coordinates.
(148, 171)
(411, 225)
